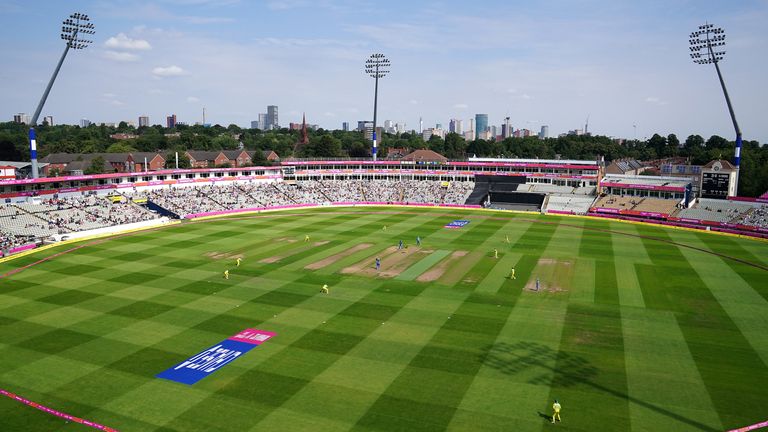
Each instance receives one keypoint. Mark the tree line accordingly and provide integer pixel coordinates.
(325, 143)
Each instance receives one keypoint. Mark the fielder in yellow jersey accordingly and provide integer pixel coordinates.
(226, 274)
(238, 262)
(556, 409)
(324, 289)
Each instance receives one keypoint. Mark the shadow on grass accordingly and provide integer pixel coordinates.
(545, 416)
(571, 370)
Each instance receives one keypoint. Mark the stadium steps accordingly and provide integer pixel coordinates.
(284, 194)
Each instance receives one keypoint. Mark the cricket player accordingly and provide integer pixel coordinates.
(378, 263)
(418, 241)
(306, 238)
(537, 288)
(238, 261)
(324, 289)
(506, 238)
(556, 409)
(400, 246)
(496, 253)
(385, 227)
(226, 274)
(512, 274)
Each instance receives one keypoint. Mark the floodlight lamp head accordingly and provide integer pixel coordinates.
(703, 41)
(75, 25)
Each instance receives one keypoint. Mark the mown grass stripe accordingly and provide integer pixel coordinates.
(328, 343)
(421, 266)
(666, 390)
(454, 356)
(591, 340)
(738, 298)
(733, 373)
(501, 270)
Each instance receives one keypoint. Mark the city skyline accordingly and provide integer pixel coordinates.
(619, 64)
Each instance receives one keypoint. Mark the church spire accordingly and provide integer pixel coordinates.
(304, 138)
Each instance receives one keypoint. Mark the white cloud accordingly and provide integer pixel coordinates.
(117, 103)
(413, 102)
(652, 99)
(525, 96)
(329, 114)
(120, 56)
(192, 99)
(123, 42)
(109, 95)
(170, 71)
(461, 106)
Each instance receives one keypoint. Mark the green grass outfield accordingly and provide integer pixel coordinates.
(636, 327)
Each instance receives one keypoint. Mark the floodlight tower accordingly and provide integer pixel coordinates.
(377, 66)
(707, 46)
(71, 30)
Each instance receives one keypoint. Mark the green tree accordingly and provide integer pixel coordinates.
(455, 146)
(170, 160)
(121, 147)
(436, 144)
(326, 146)
(96, 166)
(717, 142)
(224, 142)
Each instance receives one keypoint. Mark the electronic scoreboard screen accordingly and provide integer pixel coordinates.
(714, 185)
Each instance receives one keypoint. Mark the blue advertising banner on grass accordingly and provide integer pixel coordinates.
(214, 358)
(457, 224)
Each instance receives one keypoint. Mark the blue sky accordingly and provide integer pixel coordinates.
(622, 63)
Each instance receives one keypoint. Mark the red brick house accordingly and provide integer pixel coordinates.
(207, 159)
(238, 158)
(155, 161)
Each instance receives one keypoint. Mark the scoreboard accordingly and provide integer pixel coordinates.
(715, 185)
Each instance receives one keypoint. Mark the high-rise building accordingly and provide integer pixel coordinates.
(481, 124)
(455, 126)
(389, 126)
(506, 129)
(544, 133)
(22, 118)
(263, 121)
(345, 126)
(272, 119)
(472, 129)
(254, 124)
(84, 123)
(170, 121)
(48, 120)
(364, 125)
(143, 121)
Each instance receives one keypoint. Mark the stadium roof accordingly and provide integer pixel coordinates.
(540, 161)
(646, 180)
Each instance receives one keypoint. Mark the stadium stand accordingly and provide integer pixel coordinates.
(757, 216)
(716, 210)
(43, 218)
(657, 205)
(575, 204)
(201, 199)
(617, 202)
